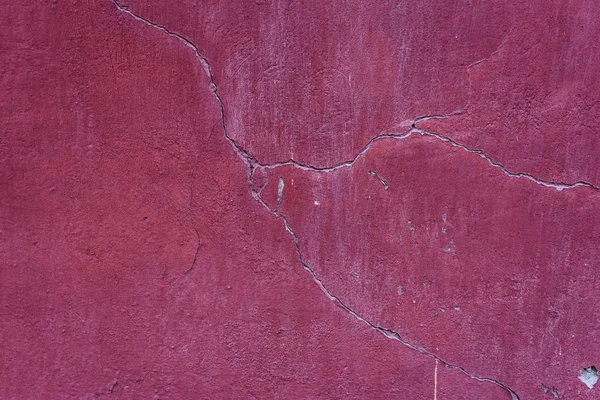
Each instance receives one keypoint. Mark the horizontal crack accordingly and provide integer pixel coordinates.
(343, 164)
(551, 184)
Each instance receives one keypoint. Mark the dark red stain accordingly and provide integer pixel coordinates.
(400, 202)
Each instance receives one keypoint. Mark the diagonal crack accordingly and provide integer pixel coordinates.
(551, 184)
(388, 333)
(241, 152)
(252, 164)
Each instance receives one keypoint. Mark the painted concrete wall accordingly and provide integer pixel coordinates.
(299, 199)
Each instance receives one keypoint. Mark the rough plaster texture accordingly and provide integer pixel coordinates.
(299, 199)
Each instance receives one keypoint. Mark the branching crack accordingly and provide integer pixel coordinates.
(252, 164)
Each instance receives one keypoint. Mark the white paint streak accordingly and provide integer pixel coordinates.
(435, 380)
(280, 186)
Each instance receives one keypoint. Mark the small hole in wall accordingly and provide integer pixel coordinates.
(589, 376)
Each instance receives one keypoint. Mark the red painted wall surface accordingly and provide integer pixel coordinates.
(299, 199)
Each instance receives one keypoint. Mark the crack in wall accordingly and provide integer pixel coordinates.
(241, 152)
(252, 164)
(465, 109)
(559, 186)
(199, 244)
(388, 333)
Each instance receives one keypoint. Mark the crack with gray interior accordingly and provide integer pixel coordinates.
(252, 164)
